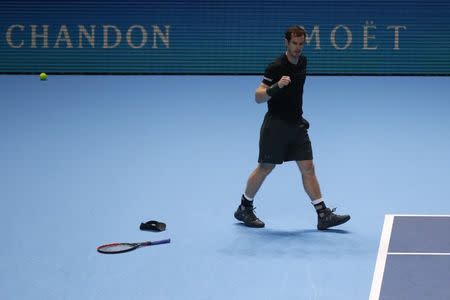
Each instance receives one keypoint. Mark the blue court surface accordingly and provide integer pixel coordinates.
(413, 259)
(85, 159)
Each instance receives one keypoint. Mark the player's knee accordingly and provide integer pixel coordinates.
(265, 168)
(307, 169)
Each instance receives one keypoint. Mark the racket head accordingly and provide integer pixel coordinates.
(116, 248)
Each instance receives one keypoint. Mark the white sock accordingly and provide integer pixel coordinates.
(317, 201)
(247, 198)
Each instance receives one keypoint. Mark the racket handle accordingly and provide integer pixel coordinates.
(166, 241)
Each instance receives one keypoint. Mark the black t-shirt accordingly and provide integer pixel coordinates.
(287, 103)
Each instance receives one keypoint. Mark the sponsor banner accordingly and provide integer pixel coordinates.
(223, 37)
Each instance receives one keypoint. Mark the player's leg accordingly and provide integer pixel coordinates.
(326, 217)
(256, 179)
(245, 211)
(272, 146)
(300, 150)
(309, 179)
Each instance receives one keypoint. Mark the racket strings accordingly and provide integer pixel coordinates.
(116, 248)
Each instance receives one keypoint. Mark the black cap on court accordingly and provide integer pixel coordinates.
(153, 226)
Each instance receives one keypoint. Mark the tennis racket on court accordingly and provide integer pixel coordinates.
(126, 247)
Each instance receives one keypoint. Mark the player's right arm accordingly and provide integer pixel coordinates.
(260, 93)
(264, 91)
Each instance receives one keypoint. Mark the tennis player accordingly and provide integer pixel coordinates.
(284, 132)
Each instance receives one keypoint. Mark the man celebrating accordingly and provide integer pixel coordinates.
(284, 132)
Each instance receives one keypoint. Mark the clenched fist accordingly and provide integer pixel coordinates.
(284, 81)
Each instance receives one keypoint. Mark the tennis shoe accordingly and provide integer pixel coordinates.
(247, 215)
(327, 218)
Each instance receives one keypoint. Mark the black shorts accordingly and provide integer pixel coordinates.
(282, 140)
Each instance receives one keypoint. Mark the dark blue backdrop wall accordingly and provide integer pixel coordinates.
(223, 37)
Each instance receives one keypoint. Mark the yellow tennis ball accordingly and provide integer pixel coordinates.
(43, 76)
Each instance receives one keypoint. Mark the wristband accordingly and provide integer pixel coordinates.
(273, 89)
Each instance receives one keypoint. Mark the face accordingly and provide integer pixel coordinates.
(295, 45)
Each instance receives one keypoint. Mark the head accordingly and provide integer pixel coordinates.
(294, 39)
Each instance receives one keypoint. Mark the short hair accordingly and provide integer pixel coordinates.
(294, 31)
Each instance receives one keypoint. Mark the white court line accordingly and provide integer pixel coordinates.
(439, 216)
(383, 252)
(418, 253)
(381, 258)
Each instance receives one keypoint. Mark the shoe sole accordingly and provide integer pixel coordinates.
(337, 224)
